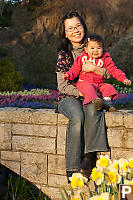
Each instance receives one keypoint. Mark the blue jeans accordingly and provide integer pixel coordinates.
(86, 131)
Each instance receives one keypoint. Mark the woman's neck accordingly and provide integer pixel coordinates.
(76, 45)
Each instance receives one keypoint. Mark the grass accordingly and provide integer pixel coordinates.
(15, 187)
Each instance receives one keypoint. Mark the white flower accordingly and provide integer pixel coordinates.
(123, 166)
(128, 182)
(97, 176)
(104, 161)
(77, 180)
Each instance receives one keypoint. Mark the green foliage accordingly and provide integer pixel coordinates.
(6, 15)
(21, 189)
(10, 79)
(122, 55)
(3, 51)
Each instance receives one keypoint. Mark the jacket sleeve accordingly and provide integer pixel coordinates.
(62, 66)
(116, 73)
(75, 69)
(65, 87)
(106, 74)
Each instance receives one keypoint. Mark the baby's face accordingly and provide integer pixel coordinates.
(94, 49)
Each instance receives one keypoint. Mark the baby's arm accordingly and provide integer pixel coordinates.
(118, 74)
(90, 67)
(74, 70)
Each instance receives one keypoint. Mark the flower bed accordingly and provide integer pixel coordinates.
(124, 101)
(35, 98)
(46, 98)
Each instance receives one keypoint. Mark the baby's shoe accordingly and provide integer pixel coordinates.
(98, 103)
(108, 106)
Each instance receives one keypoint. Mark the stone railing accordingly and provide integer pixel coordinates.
(32, 144)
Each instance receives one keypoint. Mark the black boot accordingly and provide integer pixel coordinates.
(70, 173)
(88, 163)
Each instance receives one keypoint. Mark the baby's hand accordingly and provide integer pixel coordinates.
(127, 82)
(80, 94)
(65, 76)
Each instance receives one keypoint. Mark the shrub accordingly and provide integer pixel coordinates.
(6, 15)
(40, 65)
(122, 55)
(33, 4)
(10, 79)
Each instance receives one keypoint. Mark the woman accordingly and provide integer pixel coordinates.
(86, 132)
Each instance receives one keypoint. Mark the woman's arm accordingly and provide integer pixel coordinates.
(64, 61)
(90, 67)
(64, 86)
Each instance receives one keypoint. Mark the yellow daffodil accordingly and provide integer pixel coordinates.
(112, 178)
(97, 176)
(103, 196)
(77, 180)
(130, 164)
(104, 161)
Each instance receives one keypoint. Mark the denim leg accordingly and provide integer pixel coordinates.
(95, 131)
(72, 108)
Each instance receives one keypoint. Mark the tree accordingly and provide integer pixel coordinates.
(2, 5)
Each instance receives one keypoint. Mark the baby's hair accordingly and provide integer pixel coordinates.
(95, 38)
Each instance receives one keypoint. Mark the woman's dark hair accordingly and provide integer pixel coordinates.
(94, 37)
(65, 42)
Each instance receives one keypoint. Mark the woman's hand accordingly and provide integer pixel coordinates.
(65, 76)
(127, 82)
(88, 67)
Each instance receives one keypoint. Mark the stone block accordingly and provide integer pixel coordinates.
(56, 180)
(34, 130)
(128, 138)
(56, 164)
(44, 116)
(12, 165)
(33, 144)
(34, 167)
(62, 120)
(115, 137)
(117, 153)
(128, 120)
(15, 115)
(61, 139)
(10, 155)
(51, 192)
(114, 119)
(5, 136)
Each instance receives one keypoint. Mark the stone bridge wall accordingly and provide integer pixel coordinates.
(32, 144)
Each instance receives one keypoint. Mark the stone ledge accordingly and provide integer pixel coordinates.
(32, 144)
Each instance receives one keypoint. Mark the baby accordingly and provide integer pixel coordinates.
(90, 83)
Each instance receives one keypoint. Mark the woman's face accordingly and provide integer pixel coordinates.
(74, 31)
